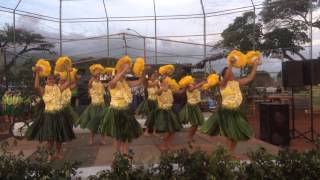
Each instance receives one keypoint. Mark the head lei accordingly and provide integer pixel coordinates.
(167, 69)
(63, 75)
(186, 81)
(62, 62)
(45, 67)
(122, 61)
(96, 68)
(241, 59)
(173, 85)
(138, 67)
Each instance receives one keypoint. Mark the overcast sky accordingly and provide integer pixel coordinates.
(129, 8)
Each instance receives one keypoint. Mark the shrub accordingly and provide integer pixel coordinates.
(176, 165)
(16, 167)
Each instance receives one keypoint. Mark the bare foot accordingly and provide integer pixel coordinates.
(103, 142)
(146, 134)
(58, 156)
(50, 158)
(90, 142)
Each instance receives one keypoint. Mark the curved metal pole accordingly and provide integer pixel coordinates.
(106, 13)
(14, 27)
(60, 28)
(155, 33)
(205, 34)
(254, 26)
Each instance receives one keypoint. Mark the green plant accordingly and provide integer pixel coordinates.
(17, 167)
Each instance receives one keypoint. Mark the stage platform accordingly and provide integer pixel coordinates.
(144, 148)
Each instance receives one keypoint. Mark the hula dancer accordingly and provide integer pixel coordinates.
(165, 120)
(229, 120)
(66, 95)
(149, 104)
(191, 112)
(8, 107)
(119, 122)
(50, 125)
(92, 116)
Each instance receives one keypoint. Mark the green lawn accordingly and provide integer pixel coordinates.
(304, 95)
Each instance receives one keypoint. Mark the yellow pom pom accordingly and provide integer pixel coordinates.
(205, 86)
(45, 67)
(62, 62)
(122, 61)
(212, 80)
(241, 59)
(252, 56)
(166, 69)
(138, 67)
(96, 69)
(73, 74)
(173, 85)
(62, 75)
(109, 70)
(186, 81)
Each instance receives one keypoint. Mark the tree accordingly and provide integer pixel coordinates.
(288, 41)
(285, 27)
(284, 13)
(239, 34)
(27, 41)
(286, 24)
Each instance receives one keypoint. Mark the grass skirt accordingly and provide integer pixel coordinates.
(230, 123)
(9, 110)
(70, 113)
(146, 106)
(92, 116)
(121, 125)
(191, 114)
(165, 120)
(51, 126)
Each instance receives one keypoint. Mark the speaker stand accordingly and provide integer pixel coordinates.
(294, 132)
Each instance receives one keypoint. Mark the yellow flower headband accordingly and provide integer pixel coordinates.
(45, 67)
(173, 85)
(166, 69)
(241, 59)
(138, 67)
(186, 81)
(122, 61)
(96, 68)
(252, 56)
(62, 62)
(63, 75)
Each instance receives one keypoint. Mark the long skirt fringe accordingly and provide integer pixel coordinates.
(230, 123)
(92, 117)
(191, 114)
(120, 124)
(51, 126)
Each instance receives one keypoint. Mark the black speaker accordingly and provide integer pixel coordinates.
(292, 73)
(274, 123)
(311, 72)
(301, 73)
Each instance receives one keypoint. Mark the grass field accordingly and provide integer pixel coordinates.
(303, 96)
